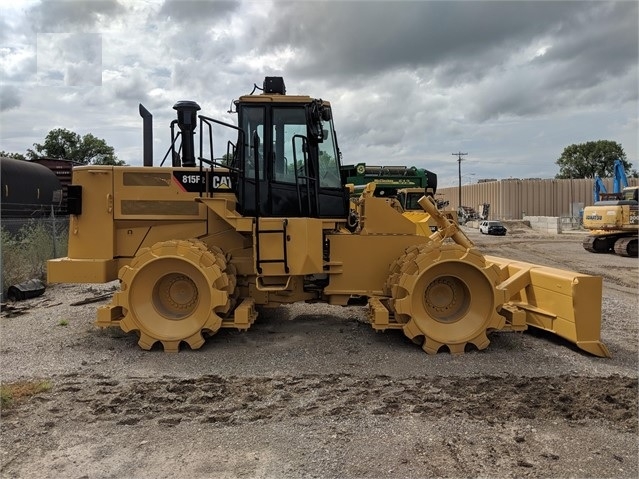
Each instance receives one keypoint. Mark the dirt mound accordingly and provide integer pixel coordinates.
(518, 227)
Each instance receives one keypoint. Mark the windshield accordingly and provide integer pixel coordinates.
(328, 154)
(630, 194)
(289, 125)
(412, 201)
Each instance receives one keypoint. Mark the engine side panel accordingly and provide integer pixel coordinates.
(360, 264)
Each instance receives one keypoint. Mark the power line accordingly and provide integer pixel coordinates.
(459, 160)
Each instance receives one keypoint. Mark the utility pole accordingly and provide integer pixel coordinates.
(459, 160)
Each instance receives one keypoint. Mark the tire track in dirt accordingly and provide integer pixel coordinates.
(238, 400)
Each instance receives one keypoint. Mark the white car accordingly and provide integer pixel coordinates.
(492, 228)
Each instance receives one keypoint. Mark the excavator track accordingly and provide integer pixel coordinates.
(626, 247)
(175, 291)
(612, 243)
(444, 295)
(598, 243)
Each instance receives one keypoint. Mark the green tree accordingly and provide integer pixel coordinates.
(585, 160)
(86, 150)
(326, 161)
(16, 156)
(227, 159)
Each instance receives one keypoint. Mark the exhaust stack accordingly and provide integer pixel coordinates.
(187, 121)
(147, 136)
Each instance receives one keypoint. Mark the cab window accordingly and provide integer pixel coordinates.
(328, 164)
(253, 125)
(288, 124)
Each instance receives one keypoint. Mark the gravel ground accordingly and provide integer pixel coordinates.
(313, 391)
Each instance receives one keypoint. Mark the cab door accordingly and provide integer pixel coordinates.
(287, 172)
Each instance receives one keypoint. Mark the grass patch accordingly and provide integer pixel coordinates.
(13, 393)
(63, 322)
(25, 251)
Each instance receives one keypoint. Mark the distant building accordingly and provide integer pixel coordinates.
(514, 198)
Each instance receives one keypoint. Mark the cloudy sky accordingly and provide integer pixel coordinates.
(511, 83)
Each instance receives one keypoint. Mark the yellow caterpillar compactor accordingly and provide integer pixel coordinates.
(200, 245)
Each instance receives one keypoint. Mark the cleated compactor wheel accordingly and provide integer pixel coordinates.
(445, 295)
(175, 291)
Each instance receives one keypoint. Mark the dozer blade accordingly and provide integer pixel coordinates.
(565, 303)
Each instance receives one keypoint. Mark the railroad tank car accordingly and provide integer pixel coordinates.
(29, 190)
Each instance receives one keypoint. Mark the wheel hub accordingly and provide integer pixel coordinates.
(175, 295)
(444, 298)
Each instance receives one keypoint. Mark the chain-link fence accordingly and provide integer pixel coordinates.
(27, 243)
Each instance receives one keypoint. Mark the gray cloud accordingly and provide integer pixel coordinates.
(64, 15)
(597, 44)
(82, 47)
(76, 57)
(590, 60)
(5, 30)
(82, 73)
(366, 37)
(18, 63)
(511, 82)
(461, 44)
(196, 11)
(10, 97)
(132, 87)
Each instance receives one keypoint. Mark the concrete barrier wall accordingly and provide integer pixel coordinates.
(544, 224)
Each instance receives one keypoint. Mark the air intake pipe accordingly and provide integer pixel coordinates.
(147, 136)
(187, 121)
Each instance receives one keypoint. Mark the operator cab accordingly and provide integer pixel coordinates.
(631, 194)
(409, 197)
(286, 159)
